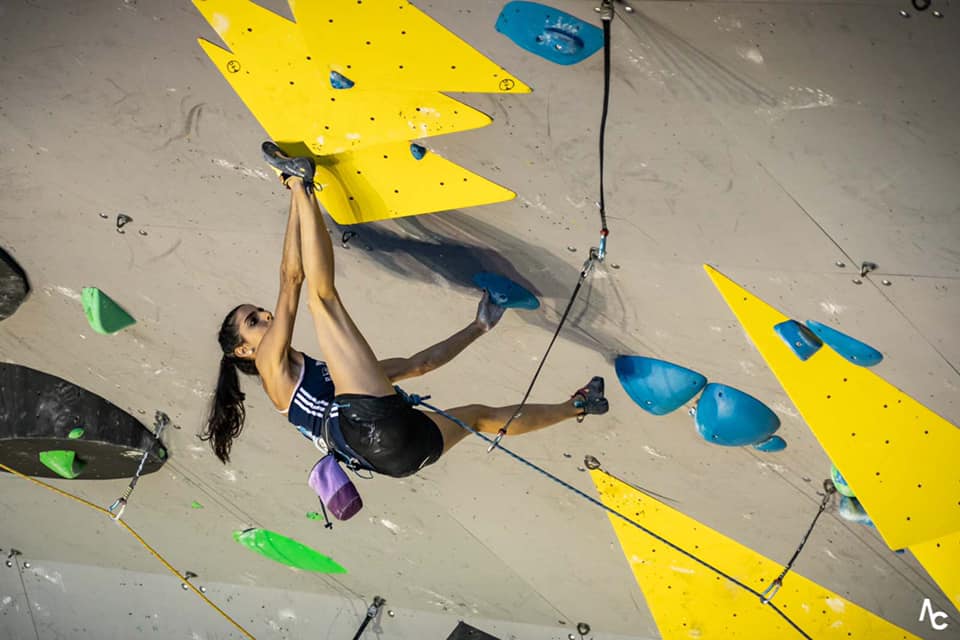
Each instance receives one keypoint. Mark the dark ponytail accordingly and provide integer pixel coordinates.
(227, 413)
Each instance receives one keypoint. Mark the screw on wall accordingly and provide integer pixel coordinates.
(122, 220)
(13, 554)
(187, 577)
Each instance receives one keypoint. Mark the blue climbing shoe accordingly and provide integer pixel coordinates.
(590, 399)
(302, 168)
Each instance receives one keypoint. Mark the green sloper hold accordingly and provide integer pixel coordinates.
(286, 551)
(62, 463)
(76, 433)
(104, 315)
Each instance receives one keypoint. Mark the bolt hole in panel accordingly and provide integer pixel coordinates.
(52, 428)
(732, 418)
(855, 351)
(391, 44)
(287, 92)
(657, 386)
(687, 600)
(885, 442)
(549, 33)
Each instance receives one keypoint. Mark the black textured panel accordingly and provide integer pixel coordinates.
(38, 411)
(14, 286)
(466, 632)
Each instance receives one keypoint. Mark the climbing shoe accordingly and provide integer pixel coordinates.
(288, 167)
(590, 400)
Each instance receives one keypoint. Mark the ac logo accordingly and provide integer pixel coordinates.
(927, 610)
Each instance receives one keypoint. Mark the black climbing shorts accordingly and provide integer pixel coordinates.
(396, 439)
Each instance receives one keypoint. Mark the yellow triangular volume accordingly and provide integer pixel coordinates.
(899, 458)
(688, 600)
(387, 181)
(285, 87)
(941, 559)
(391, 43)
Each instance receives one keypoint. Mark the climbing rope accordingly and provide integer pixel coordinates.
(414, 399)
(160, 420)
(597, 254)
(828, 490)
(184, 579)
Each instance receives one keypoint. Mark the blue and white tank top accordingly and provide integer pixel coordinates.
(314, 391)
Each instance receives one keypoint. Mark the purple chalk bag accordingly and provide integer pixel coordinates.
(333, 486)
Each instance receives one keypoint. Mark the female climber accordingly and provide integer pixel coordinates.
(349, 401)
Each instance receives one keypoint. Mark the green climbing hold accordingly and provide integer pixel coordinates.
(313, 515)
(75, 433)
(63, 463)
(286, 551)
(104, 315)
(196, 505)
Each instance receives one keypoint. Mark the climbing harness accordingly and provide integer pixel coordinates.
(160, 421)
(828, 490)
(598, 253)
(592, 463)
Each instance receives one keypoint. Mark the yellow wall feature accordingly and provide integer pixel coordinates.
(899, 458)
(391, 43)
(941, 558)
(288, 90)
(690, 601)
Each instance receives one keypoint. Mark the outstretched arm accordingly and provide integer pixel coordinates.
(488, 315)
(272, 361)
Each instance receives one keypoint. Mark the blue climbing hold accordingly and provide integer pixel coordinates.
(549, 33)
(657, 386)
(851, 510)
(801, 340)
(732, 418)
(859, 353)
(771, 445)
(417, 151)
(506, 292)
(339, 81)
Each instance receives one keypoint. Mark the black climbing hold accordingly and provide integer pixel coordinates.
(38, 411)
(14, 287)
(463, 631)
(920, 5)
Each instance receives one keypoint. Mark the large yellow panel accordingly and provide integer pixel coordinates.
(941, 559)
(287, 88)
(383, 182)
(688, 600)
(898, 457)
(391, 43)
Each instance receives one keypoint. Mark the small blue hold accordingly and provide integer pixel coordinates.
(417, 151)
(339, 81)
(771, 444)
(505, 292)
(801, 340)
(859, 353)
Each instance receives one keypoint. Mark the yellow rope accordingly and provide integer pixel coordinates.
(139, 539)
